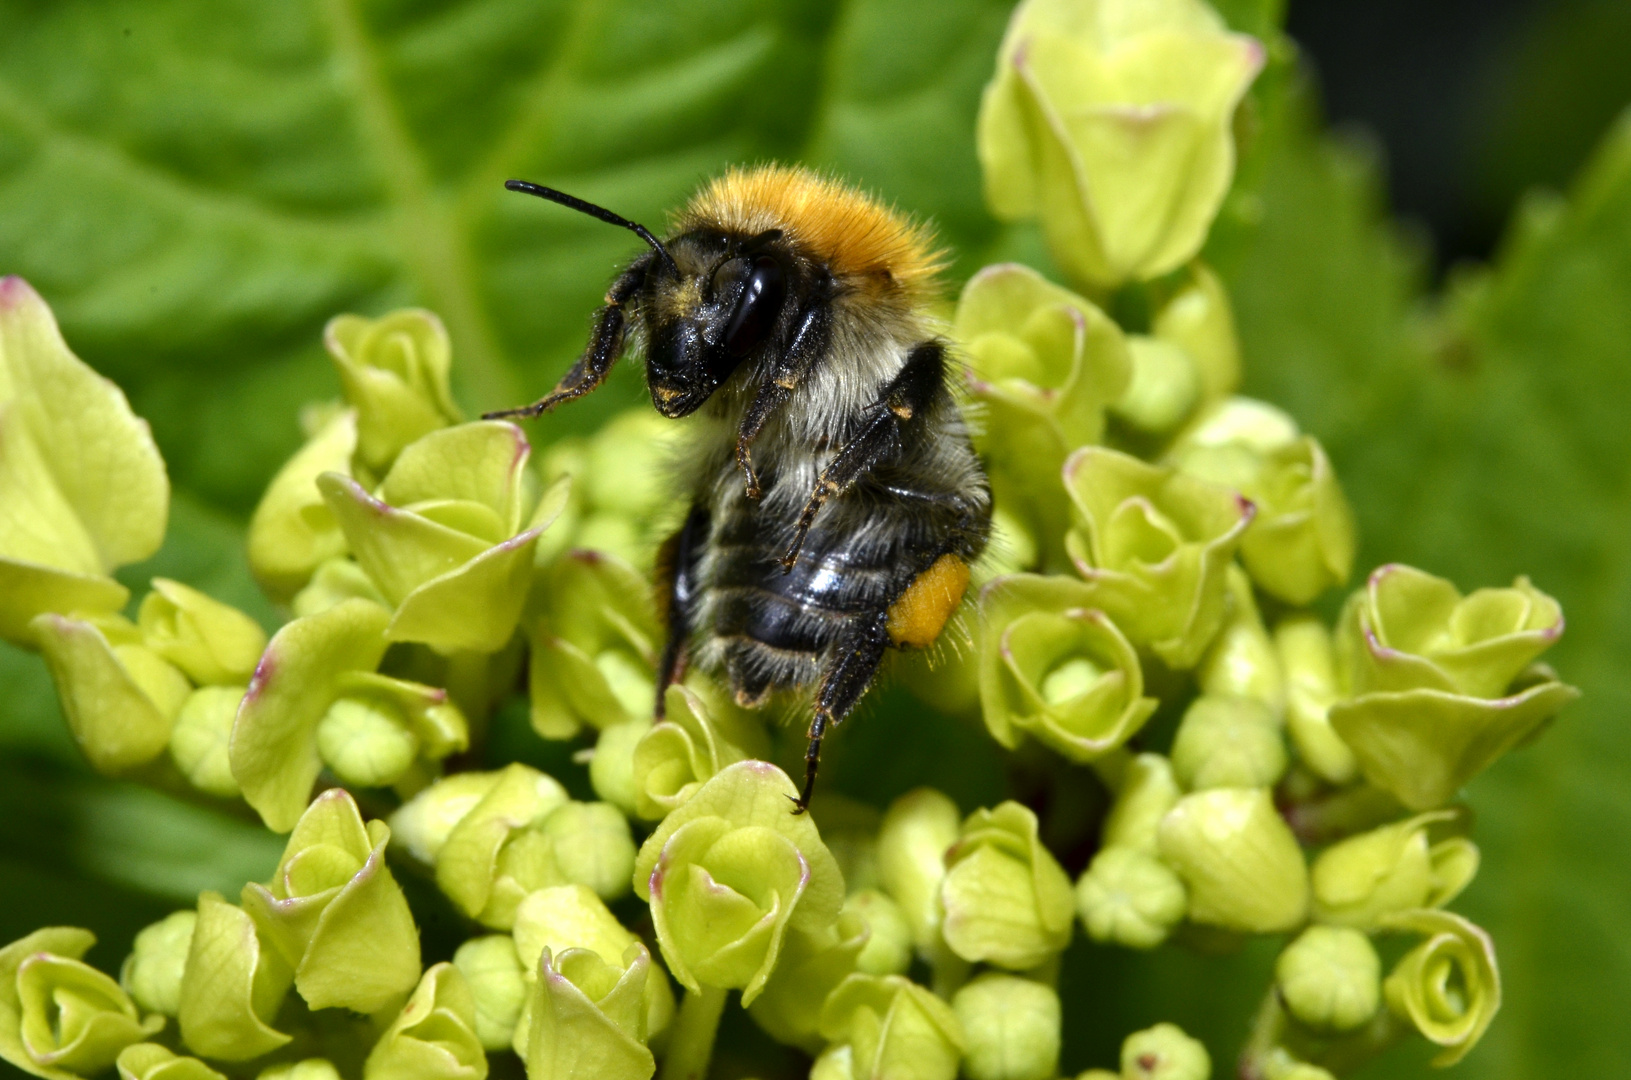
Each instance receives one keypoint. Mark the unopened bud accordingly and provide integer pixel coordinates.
(1330, 978)
(1010, 1028)
(1164, 1052)
(1238, 857)
(1304, 645)
(201, 736)
(494, 974)
(912, 843)
(888, 949)
(152, 972)
(1129, 897)
(1228, 742)
(1148, 791)
(366, 742)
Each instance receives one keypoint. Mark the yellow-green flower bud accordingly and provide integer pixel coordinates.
(812, 965)
(912, 841)
(307, 1069)
(1282, 1066)
(1243, 661)
(475, 866)
(292, 531)
(694, 741)
(587, 1017)
(447, 540)
(497, 985)
(1046, 363)
(1306, 655)
(60, 1017)
(1362, 880)
(1228, 742)
(1054, 667)
(394, 372)
(1154, 544)
(729, 873)
(1010, 1028)
(366, 743)
(335, 914)
(424, 822)
(336, 580)
(1148, 791)
(150, 1061)
(888, 948)
(1242, 865)
(571, 917)
(152, 972)
(434, 1036)
(202, 735)
(1164, 389)
(888, 1027)
(1449, 986)
(232, 986)
(120, 698)
(611, 769)
(1006, 899)
(1164, 1052)
(591, 845)
(1197, 318)
(82, 487)
(213, 643)
(1129, 897)
(1112, 123)
(593, 645)
(1098, 1074)
(1330, 978)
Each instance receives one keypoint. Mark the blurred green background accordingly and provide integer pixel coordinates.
(197, 185)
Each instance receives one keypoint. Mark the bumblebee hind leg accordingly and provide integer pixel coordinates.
(855, 661)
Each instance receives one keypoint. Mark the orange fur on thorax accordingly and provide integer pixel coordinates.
(858, 237)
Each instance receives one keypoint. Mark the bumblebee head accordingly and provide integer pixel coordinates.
(709, 300)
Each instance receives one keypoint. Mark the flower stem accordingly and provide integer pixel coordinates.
(692, 1042)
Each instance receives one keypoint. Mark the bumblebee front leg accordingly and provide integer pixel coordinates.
(677, 588)
(605, 345)
(809, 343)
(856, 658)
(908, 393)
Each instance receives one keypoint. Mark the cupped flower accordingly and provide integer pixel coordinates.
(888, 1026)
(434, 1036)
(587, 1018)
(214, 644)
(1438, 681)
(1011, 1028)
(59, 1017)
(1155, 545)
(1054, 667)
(335, 914)
(1239, 860)
(1303, 540)
(394, 371)
(120, 698)
(571, 918)
(1448, 986)
(690, 746)
(151, 1061)
(1111, 121)
(1330, 978)
(83, 489)
(1006, 899)
(730, 873)
(232, 985)
(594, 641)
(1046, 363)
(292, 531)
(1364, 879)
(447, 539)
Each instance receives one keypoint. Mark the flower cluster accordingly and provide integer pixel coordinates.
(1146, 620)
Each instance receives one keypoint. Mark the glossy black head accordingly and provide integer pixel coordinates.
(730, 301)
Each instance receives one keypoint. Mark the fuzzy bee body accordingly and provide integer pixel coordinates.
(836, 502)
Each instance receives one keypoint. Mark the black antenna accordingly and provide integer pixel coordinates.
(526, 187)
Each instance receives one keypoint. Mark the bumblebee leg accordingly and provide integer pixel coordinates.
(809, 343)
(908, 393)
(677, 587)
(860, 651)
(605, 345)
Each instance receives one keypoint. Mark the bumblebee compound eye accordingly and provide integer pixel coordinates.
(757, 310)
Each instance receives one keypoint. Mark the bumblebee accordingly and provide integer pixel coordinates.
(836, 502)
